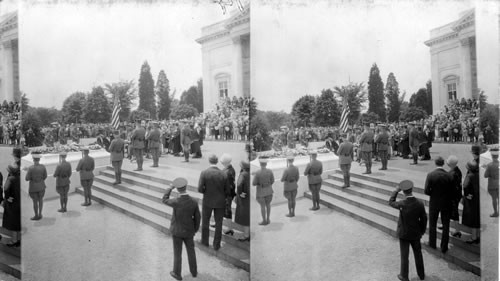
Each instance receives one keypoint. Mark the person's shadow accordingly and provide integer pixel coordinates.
(45, 221)
(71, 214)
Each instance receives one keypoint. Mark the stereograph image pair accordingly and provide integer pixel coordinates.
(156, 141)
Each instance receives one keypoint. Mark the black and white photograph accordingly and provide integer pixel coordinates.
(136, 123)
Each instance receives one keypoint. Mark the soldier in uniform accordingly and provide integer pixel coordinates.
(117, 150)
(62, 175)
(491, 173)
(413, 143)
(263, 180)
(138, 137)
(290, 139)
(86, 167)
(290, 178)
(154, 143)
(313, 171)
(345, 153)
(366, 142)
(186, 140)
(36, 175)
(382, 141)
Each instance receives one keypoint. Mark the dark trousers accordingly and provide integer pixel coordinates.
(414, 153)
(404, 246)
(445, 220)
(205, 224)
(139, 157)
(189, 242)
(117, 166)
(185, 149)
(383, 158)
(367, 157)
(346, 172)
(155, 153)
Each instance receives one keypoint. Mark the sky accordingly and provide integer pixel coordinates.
(66, 48)
(302, 47)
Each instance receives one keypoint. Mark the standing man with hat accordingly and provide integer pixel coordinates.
(36, 175)
(154, 143)
(86, 167)
(382, 142)
(411, 227)
(313, 171)
(366, 143)
(117, 150)
(263, 180)
(413, 143)
(345, 153)
(138, 137)
(491, 173)
(290, 178)
(184, 224)
(62, 175)
(186, 140)
(214, 185)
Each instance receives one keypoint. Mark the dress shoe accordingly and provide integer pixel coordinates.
(154, 166)
(413, 163)
(84, 204)
(138, 169)
(367, 173)
(430, 246)
(216, 247)
(244, 239)
(175, 275)
(421, 277)
(289, 215)
(402, 278)
(115, 183)
(494, 215)
(35, 218)
(61, 210)
(444, 250)
(262, 223)
(194, 274)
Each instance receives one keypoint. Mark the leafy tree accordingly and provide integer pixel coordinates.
(489, 117)
(413, 114)
(327, 112)
(276, 119)
(369, 117)
(30, 126)
(147, 90)
(97, 108)
(303, 111)
(376, 102)
(259, 124)
(193, 98)
(392, 95)
(404, 107)
(127, 93)
(355, 96)
(183, 111)
(47, 115)
(163, 93)
(139, 114)
(428, 87)
(72, 109)
(419, 99)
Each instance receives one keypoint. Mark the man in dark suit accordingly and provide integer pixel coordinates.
(154, 143)
(215, 187)
(345, 153)
(366, 148)
(313, 171)
(116, 150)
(184, 224)
(382, 142)
(439, 186)
(411, 226)
(137, 139)
(413, 143)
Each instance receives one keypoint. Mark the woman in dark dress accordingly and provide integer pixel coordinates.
(12, 204)
(471, 212)
(242, 214)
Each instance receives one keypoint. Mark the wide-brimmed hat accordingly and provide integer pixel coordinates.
(245, 165)
(225, 159)
(472, 166)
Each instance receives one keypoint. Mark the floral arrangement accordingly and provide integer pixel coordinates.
(60, 148)
(301, 151)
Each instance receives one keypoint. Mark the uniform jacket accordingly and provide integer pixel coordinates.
(154, 140)
(313, 172)
(366, 141)
(382, 141)
(440, 187)
(185, 220)
(412, 217)
(263, 180)
(413, 138)
(491, 173)
(345, 152)
(214, 185)
(116, 149)
(290, 178)
(36, 175)
(186, 136)
(63, 174)
(86, 167)
(138, 137)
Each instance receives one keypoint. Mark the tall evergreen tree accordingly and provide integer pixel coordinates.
(419, 99)
(392, 95)
(147, 90)
(428, 87)
(163, 93)
(192, 97)
(376, 101)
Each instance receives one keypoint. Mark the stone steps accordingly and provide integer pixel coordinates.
(367, 201)
(10, 258)
(139, 196)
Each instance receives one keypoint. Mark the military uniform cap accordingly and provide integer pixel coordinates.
(36, 155)
(179, 183)
(263, 160)
(290, 157)
(406, 184)
(63, 153)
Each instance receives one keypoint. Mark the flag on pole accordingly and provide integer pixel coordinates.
(344, 120)
(115, 119)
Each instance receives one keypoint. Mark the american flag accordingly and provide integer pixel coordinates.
(115, 118)
(344, 118)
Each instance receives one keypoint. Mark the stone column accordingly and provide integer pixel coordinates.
(237, 77)
(465, 83)
(7, 72)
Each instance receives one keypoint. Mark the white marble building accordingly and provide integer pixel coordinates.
(453, 61)
(226, 58)
(9, 58)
